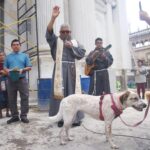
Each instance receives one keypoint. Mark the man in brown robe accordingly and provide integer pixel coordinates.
(71, 51)
(99, 77)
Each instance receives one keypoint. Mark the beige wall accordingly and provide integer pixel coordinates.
(144, 54)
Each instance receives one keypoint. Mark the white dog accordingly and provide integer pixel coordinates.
(105, 108)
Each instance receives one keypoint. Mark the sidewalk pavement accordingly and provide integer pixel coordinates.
(40, 135)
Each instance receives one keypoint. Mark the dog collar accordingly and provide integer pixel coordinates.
(117, 111)
(120, 105)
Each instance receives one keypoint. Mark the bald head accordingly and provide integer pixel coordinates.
(65, 26)
(65, 32)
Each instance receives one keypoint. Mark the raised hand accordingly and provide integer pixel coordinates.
(143, 15)
(55, 11)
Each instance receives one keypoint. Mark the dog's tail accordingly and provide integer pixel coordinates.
(58, 116)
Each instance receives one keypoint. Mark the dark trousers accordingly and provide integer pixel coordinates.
(99, 83)
(3, 100)
(91, 87)
(13, 87)
(141, 87)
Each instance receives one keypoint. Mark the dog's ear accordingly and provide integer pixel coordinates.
(124, 97)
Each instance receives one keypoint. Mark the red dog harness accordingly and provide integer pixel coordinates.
(116, 110)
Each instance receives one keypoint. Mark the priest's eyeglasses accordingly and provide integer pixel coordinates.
(65, 31)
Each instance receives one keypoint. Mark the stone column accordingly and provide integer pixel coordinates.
(44, 10)
(83, 24)
(82, 21)
(105, 24)
(122, 37)
(66, 11)
(110, 30)
(101, 24)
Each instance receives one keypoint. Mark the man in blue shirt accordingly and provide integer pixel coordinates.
(19, 62)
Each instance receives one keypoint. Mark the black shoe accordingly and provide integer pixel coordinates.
(8, 115)
(76, 124)
(13, 119)
(25, 120)
(60, 123)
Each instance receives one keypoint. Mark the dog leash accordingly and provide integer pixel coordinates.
(138, 123)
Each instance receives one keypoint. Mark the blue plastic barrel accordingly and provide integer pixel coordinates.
(85, 83)
(44, 92)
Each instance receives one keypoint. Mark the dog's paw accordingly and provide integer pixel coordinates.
(115, 147)
(70, 138)
(63, 143)
(106, 141)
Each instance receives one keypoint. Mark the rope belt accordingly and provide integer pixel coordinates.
(69, 62)
(101, 70)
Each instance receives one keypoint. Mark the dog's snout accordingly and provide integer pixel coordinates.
(144, 105)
